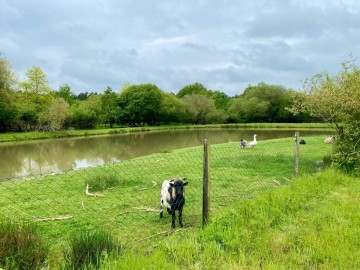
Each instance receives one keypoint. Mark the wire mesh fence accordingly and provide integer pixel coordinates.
(124, 197)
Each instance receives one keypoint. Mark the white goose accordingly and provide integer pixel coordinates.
(253, 143)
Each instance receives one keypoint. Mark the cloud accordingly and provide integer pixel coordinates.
(225, 45)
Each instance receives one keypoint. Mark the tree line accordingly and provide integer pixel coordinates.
(32, 105)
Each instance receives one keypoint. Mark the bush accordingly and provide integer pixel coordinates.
(88, 249)
(347, 149)
(21, 246)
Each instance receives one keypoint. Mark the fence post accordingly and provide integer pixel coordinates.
(297, 154)
(206, 180)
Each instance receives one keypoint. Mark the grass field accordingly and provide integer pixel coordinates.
(313, 223)
(123, 198)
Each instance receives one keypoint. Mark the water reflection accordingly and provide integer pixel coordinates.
(48, 156)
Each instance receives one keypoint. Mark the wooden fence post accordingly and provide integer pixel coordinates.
(296, 154)
(206, 180)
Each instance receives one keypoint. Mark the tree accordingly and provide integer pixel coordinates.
(30, 107)
(37, 81)
(7, 95)
(8, 110)
(141, 104)
(66, 93)
(261, 103)
(250, 109)
(55, 116)
(172, 110)
(221, 100)
(336, 100)
(93, 103)
(8, 78)
(110, 108)
(195, 88)
(81, 117)
(201, 109)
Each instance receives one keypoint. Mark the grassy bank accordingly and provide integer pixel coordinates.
(123, 198)
(23, 136)
(311, 224)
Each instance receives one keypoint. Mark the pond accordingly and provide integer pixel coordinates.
(51, 156)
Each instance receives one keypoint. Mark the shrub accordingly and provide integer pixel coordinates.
(88, 249)
(21, 246)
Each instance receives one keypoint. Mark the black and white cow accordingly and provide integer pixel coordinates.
(172, 197)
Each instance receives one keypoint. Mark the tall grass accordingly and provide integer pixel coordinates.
(103, 181)
(88, 249)
(21, 246)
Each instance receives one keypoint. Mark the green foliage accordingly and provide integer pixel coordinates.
(347, 148)
(88, 249)
(21, 246)
(66, 93)
(110, 108)
(201, 110)
(195, 88)
(27, 118)
(8, 111)
(55, 116)
(336, 100)
(81, 117)
(8, 82)
(221, 100)
(8, 78)
(173, 109)
(85, 95)
(262, 103)
(37, 81)
(141, 104)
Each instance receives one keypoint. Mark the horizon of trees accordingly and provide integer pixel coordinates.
(32, 105)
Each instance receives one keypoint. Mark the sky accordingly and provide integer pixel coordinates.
(225, 45)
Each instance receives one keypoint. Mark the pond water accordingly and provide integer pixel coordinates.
(48, 156)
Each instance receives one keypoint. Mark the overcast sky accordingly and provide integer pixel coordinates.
(224, 44)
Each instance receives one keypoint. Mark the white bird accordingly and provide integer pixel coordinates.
(252, 143)
(330, 140)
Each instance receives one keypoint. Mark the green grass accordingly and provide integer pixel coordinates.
(127, 207)
(103, 181)
(312, 223)
(21, 246)
(88, 249)
(35, 135)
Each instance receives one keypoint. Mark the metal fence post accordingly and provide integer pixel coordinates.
(296, 154)
(206, 180)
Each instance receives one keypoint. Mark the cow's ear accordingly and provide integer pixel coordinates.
(171, 184)
(185, 183)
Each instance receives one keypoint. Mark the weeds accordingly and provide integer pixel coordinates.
(88, 249)
(100, 182)
(21, 246)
